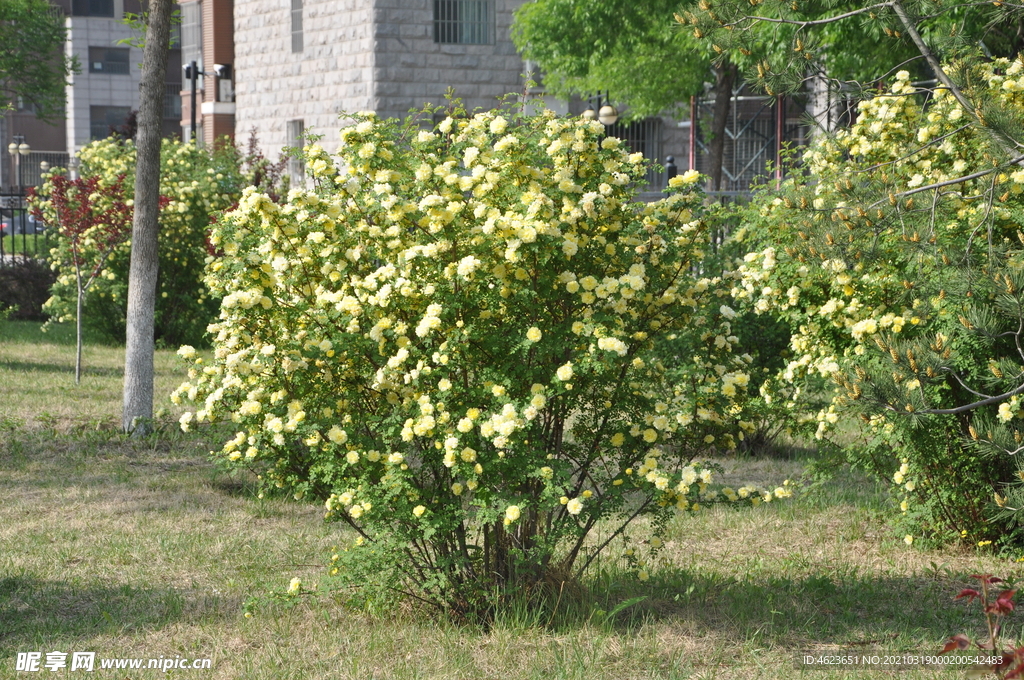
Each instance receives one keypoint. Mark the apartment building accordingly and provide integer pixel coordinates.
(100, 96)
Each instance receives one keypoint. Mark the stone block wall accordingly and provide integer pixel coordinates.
(358, 55)
(332, 73)
(411, 69)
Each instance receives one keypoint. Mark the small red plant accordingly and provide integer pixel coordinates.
(94, 221)
(996, 604)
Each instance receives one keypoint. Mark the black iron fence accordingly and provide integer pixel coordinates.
(22, 237)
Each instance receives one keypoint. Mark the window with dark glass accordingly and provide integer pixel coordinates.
(464, 22)
(92, 8)
(103, 118)
(296, 25)
(112, 60)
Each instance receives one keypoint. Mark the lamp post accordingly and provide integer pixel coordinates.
(192, 73)
(17, 149)
(606, 113)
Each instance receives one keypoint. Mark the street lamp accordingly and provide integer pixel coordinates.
(17, 149)
(606, 113)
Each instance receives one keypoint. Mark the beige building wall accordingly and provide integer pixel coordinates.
(411, 69)
(358, 55)
(332, 73)
(86, 89)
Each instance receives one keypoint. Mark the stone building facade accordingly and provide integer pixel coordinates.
(300, 66)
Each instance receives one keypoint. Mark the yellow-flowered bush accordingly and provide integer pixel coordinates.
(195, 184)
(451, 340)
(896, 260)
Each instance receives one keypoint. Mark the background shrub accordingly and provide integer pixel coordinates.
(908, 299)
(24, 288)
(195, 185)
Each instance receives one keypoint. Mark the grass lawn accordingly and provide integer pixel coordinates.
(144, 549)
(25, 244)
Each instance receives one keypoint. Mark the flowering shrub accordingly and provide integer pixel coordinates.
(452, 342)
(897, 264)
(195, 185)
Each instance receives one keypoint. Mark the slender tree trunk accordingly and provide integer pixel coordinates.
(725, 78)
(78, 335)
(138, 361)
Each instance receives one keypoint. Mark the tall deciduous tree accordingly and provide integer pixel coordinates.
(142, 276)
(33, 67)
(632, 50)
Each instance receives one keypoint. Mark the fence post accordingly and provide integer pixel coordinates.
(670, 169)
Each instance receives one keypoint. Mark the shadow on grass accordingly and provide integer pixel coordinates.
(40, 615)
(69, 368)
(821, 609)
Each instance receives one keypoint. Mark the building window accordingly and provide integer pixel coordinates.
(464, 22)
(296, 164)
(192, 33)
(112, 60)
(103, 118)
(296, 25)
(23, 105)
(172, 101)
(93, 8)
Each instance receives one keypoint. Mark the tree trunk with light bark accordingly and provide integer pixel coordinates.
(138, 366)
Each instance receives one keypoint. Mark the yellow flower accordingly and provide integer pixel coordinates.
(419, 510)
(574, 507)
(337, 435)
(650, 435)
(564, 372)
(295, 586)
(908, 539)
(512, 513)
(534, 334)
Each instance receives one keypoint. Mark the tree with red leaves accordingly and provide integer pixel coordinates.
(996, 604)
(93, 222)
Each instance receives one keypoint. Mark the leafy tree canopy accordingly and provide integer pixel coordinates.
(33, 67)
(631, 49)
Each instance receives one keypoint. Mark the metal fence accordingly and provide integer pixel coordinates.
(22, 237)
(643, 136)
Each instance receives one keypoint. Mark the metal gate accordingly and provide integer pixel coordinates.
(21, 235)
(643, 136)
(757, 129)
